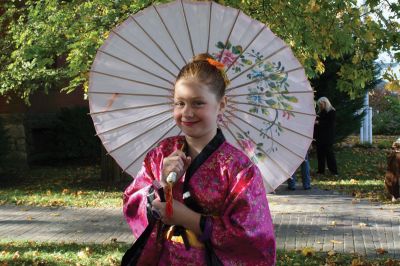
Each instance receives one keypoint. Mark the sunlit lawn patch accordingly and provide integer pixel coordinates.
(361, 170)
(35, 253)
(309, 257)
(61, 186)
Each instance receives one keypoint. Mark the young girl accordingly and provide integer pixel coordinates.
(220, 210)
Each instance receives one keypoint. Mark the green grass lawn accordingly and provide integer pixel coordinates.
(34, 253)
(361, 169)
(60, 186)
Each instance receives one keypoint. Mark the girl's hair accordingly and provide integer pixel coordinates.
(202, 70)
(328, 105)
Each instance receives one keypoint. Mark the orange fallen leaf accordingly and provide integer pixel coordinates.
(381, 251)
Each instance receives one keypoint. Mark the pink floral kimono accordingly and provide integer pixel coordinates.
(223, 184)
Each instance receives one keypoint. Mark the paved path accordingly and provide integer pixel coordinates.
(312, 218)
(328, 221)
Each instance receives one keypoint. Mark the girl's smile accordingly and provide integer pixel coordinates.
(189, 124)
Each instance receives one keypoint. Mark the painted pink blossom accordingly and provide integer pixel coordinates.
(227, 58)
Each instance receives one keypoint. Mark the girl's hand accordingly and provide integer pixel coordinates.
(182, 215)
(176, 162)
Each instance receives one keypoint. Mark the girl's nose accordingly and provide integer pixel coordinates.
(187, 111)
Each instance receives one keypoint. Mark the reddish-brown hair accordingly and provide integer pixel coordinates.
(206, 73)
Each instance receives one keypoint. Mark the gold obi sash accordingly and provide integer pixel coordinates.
(191, 237)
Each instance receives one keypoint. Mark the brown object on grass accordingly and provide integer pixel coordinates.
(392, 178)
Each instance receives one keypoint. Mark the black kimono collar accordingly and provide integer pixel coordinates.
(207, 151)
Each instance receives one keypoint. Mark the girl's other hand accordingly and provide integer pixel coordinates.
(182, 215)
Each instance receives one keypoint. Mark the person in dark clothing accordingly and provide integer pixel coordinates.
(325, 136)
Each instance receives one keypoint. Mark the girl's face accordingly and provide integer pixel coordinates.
(196, 109)
(322, 105)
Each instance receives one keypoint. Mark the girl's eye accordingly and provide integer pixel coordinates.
(198, 104)
(179, 104)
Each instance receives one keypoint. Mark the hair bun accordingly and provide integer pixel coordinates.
(202, 57)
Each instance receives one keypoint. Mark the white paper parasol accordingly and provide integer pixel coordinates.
(270, 112)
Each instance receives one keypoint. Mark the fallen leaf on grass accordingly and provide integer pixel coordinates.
(16, 256)
(54, 214)
(381, 251)
(390, 262)
(331, 253)
(29, 218)
(308, 251)
(357, 262)
(362, 224)
(82, 254)
(336, 242)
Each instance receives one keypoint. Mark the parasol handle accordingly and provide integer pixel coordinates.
(171, 178)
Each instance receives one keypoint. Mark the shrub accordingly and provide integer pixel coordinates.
(386, 118)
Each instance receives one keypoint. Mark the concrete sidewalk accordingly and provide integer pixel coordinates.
(313, 218)
(328, 221)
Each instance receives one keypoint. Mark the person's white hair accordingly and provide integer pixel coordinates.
(328, 105)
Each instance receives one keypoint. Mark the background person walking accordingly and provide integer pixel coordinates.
(325, 136)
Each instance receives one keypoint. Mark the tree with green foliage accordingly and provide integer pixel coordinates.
(386, 116)
(49, 44)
